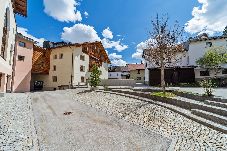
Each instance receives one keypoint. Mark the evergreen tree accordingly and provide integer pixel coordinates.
(95, 76)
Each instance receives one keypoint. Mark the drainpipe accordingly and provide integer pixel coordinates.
(72, 67)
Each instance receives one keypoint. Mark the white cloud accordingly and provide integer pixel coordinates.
(25, 33)
(210, 17)
(86, 14)
(80, 33)
(116, 60)
(108, 43)
(113, 44)
(62, 10)
(107, 33)
(139, 49)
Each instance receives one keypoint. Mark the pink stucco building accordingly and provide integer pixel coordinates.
(22, 64)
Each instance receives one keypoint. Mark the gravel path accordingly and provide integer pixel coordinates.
(86, 128)
(187, 134)
(17, 131)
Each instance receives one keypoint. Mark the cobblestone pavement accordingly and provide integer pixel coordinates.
(17, 132)
(187, 134)
(86, 128)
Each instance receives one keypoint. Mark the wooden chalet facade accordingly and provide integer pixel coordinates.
(20, 7)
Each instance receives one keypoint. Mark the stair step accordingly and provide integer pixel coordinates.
(184, 112)
(210, 116)
(215, 103)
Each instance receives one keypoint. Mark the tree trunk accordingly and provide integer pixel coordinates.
(163, 85)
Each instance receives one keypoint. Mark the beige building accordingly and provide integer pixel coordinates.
(137, 72)
(70, 64)
(8, 8)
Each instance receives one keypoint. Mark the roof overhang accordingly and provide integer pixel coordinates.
(20, 7)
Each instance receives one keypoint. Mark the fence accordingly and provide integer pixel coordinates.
(118, 82)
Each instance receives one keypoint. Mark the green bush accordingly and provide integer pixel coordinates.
(95, 76)
(208, 86)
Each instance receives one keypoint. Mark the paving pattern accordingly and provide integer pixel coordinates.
(64, 124)
(17, 131)
(187, 134)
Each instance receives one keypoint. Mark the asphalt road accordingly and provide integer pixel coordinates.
(84, 128)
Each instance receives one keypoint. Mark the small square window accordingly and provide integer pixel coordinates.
(61, 56)
(83, 79)
(55, 57)
(138, 72)
(55, 79)
(21, 58)
(22, 44)
(139, 78)
(82, 68)
(54, 68)
(82, 57)
(204, 73)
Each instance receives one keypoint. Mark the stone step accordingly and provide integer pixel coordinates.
(179, 110)
(210, 116)
(180, 102)
(215, 103)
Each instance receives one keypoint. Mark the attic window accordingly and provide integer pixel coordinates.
(209, 44)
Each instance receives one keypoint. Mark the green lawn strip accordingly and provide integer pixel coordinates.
(161, 94)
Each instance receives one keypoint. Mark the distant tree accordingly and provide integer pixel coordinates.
(164, 45)
(95, 76)
(225, 31)
(213, 59)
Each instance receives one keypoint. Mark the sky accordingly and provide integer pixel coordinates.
(121, 25)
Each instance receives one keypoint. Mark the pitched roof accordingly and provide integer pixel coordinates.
(136, 67)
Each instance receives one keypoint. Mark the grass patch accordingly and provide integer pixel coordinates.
(161, 94)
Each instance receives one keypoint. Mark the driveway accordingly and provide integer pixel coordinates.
(84, 128)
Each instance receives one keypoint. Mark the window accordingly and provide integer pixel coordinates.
(224, 71)
(82, 79)
(139, 78)
(82, 57)
(61, 56)
(54, 68)
(22, 44)
(21, 58)
(209, 44)
(204, 73)
(55, 57)
(138, 72)
(82, 68)
(55, 79)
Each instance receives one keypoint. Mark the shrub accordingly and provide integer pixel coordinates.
(208, 86)
(95, 76)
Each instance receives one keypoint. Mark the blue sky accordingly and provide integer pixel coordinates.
(128, 21)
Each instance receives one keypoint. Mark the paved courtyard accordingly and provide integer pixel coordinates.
(68, 121)
(86, 128)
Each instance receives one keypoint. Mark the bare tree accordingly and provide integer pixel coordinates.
(164, 45)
